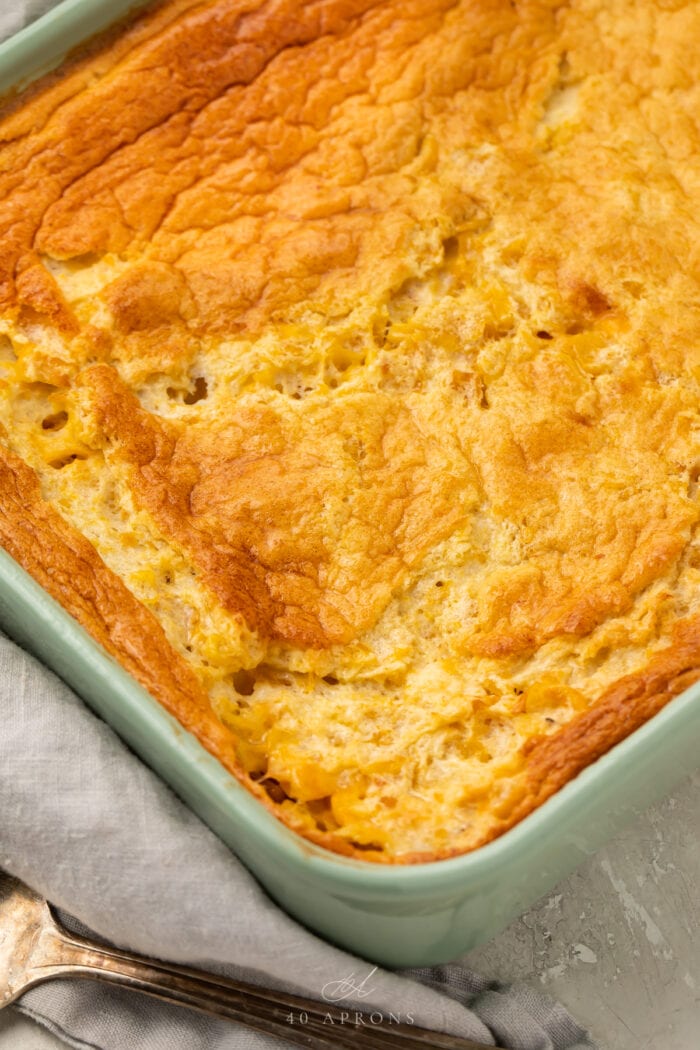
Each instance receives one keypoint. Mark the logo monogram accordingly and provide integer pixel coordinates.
(347, 988)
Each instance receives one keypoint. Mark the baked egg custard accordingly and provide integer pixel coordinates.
(350, 389)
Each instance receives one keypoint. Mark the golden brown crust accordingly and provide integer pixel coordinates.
(553, 761)
(70, 569)
(362, 340)
(623, 707)
(215, 490)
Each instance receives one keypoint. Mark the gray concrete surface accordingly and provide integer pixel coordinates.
(618, 941)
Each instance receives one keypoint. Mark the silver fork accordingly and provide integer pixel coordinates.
(34, 947)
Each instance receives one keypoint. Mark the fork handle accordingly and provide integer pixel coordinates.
(302, 1021)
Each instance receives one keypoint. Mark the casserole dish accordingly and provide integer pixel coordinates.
(433, 915)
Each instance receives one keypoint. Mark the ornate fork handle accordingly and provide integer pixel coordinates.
(303, 1021)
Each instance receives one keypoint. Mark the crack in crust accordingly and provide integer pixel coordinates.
(256, 500)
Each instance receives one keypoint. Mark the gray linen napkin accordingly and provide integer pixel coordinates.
(88, 825)
(15, 14)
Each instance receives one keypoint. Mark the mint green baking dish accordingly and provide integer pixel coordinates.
(400, 916)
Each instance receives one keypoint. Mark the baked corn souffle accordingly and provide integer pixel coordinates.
(350, 389)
